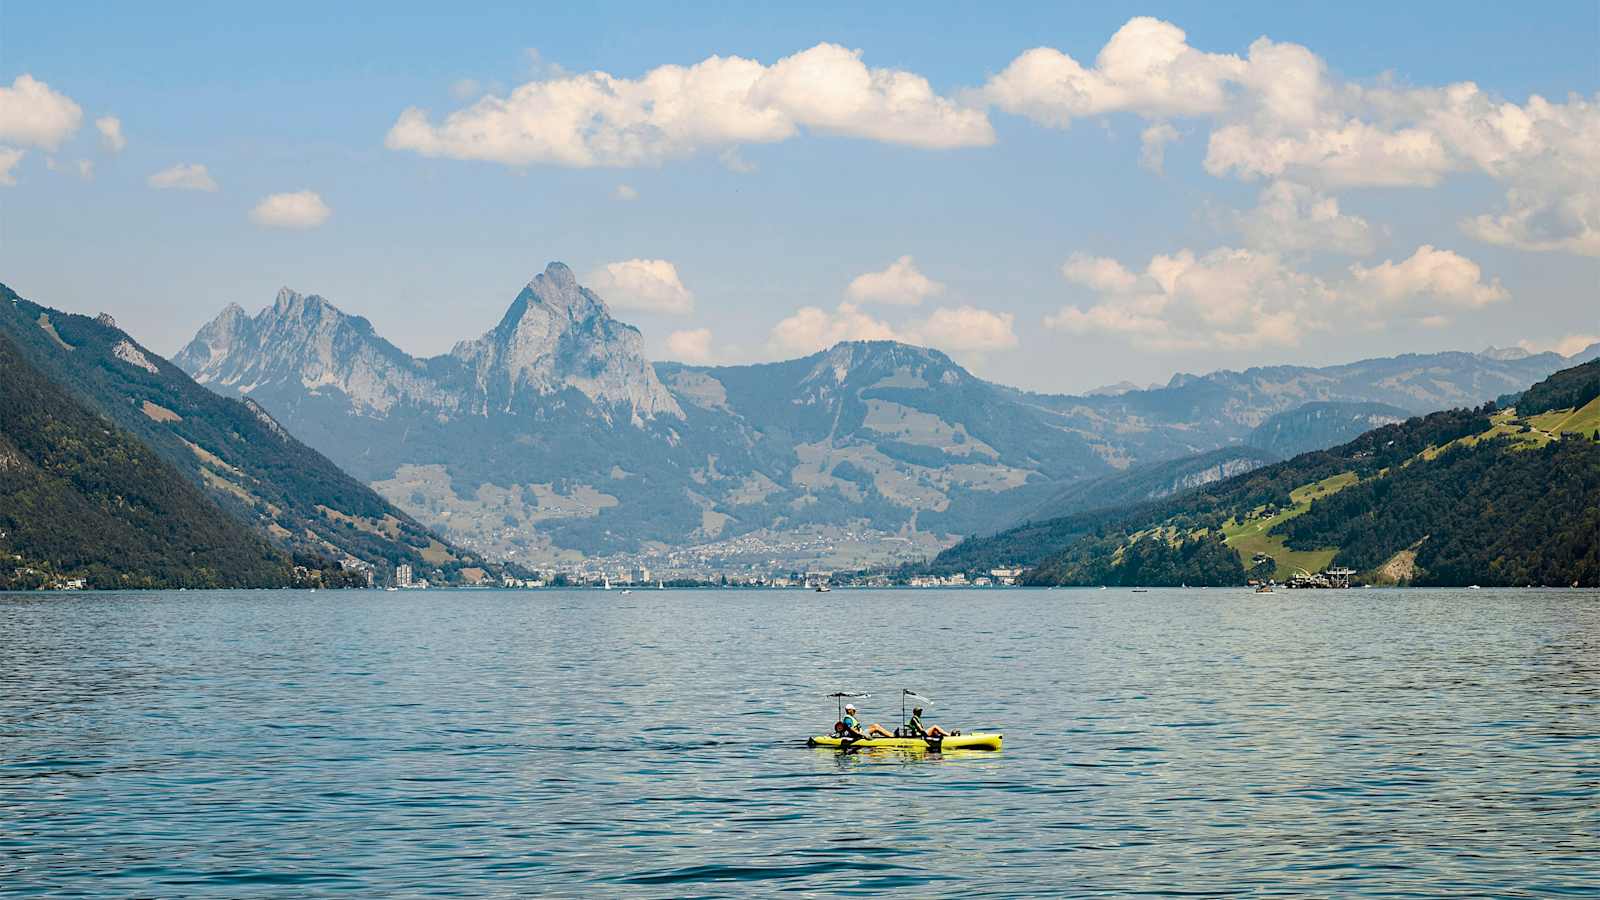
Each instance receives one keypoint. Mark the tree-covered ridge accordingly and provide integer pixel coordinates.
(1567, 389)
(1198, 560)
(1212, 506)
(80, 498)
(1491, 513)
(1464, 496)
(239, 455)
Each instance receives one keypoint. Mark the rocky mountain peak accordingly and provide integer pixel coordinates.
(291, 304)
(559, 334)
(558, 274)
(865, 363)
(1505, 354)
(555, 336)
(554, 292)
(304, 342)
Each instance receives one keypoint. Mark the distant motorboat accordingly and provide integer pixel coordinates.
(1263, 588)
(823, 589)
(1473, 587)
(627, 590)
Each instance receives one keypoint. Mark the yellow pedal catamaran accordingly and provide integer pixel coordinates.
(903, 740)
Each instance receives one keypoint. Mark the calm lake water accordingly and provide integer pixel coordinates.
(473, 743)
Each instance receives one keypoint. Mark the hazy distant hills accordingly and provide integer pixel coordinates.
(1320, 424)
(551, 435)
(1151, 481)
(1485, 496)
(246, 465)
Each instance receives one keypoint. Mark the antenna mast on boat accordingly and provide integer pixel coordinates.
(839, 697)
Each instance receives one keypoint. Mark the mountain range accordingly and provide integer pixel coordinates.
(551, 437)
(103, 438)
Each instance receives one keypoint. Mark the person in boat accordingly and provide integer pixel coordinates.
(850, 727)
(915, 728)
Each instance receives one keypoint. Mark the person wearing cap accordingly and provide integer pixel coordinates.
(917, 729)
(851, 726)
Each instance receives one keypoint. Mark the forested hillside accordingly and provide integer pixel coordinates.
(82, 498)
(1487, 496)
(1568, 389)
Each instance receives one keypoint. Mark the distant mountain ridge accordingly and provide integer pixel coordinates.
(552, 436)
(1151, 481)
(1320, 424)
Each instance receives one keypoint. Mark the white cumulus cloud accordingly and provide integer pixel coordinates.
(1147, 67)
(33, 115)
(111, 136)
(1543, 218)
(182, 177)
(1241, 298)
(9, 157)
(691, 345)
(813, 328)
(1098, 272)
(901, 284)
(598, 119)
(1429, 273)
(1290, 218)
(649, 285)
(966, 329)
(1153, 143)
(962, 329)
(1277, 113)
(299, 209)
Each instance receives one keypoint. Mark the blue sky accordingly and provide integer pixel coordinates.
(1031, 244)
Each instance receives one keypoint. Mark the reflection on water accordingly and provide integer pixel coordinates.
(1360, 742)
